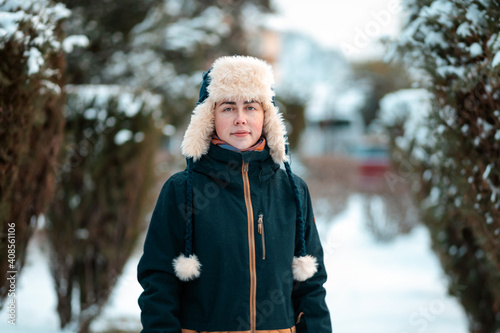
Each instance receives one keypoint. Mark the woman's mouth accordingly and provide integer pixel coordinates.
(241, 134)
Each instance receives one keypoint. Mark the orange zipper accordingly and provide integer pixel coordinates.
(251, 247)
(260, 229)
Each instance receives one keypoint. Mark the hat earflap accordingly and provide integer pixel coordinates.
(304, 266)
(186, 265)
(275, 131)
(199, 132)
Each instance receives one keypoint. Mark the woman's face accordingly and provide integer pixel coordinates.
(239, 122)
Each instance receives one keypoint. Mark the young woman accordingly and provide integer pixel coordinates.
(232, 245)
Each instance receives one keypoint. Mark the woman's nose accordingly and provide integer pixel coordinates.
(240, 118)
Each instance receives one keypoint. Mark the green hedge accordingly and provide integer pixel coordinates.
(456, 45)
(31, 119)
(111, 136)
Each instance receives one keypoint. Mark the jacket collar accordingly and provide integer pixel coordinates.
(220, 163)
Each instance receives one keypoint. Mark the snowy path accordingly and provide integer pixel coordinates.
(395, 287)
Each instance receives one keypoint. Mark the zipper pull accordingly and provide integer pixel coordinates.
(260, 229)
(245, 167)
(260, 222)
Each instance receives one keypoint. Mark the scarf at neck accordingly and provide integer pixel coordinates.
(258, 146)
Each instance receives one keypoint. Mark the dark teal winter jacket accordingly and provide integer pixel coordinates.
(246, 281)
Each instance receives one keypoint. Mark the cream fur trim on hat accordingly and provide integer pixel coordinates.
(237, 77)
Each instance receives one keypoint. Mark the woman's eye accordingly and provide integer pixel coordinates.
(251, 108)
(227, 109)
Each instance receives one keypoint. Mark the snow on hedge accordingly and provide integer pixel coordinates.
(184, 34)
(102, 104)
(34, 25)
(409, 108)
(174, 26)
(428, 37)
(130, 100)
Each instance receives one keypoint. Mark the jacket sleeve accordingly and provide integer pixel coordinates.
(160, 300)
(308, 297)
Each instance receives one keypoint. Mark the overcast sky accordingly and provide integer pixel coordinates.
(352, 26)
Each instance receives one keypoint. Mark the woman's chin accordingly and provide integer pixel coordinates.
(241, 143)
(241, 146)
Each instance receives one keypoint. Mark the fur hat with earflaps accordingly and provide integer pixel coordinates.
(250, 79)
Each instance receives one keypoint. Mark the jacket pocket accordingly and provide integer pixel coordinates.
(300, 323)
(260, 229)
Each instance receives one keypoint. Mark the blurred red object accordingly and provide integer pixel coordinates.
(373, 165)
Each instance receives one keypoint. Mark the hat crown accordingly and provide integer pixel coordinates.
(240, 77)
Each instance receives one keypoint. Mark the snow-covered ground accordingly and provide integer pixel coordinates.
(395, 287)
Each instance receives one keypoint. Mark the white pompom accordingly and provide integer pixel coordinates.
(187, 268)
(304, 267)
